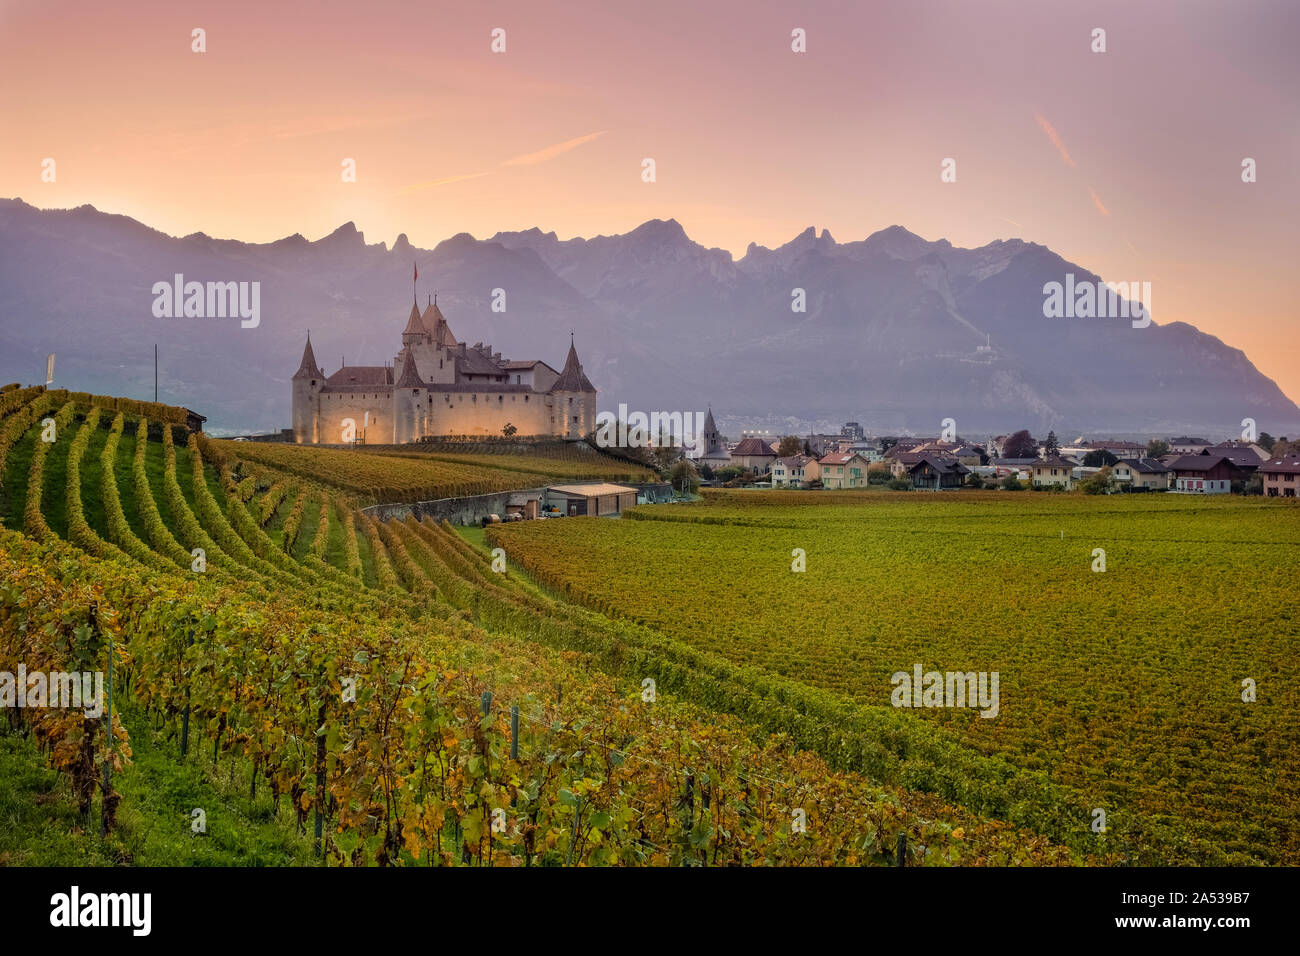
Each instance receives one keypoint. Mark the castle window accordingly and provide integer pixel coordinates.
(501, 398)
(525, 398)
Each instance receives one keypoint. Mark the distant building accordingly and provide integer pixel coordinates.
(1280, 477)
(797, 471)
(1141, 473)
(1185, 445)
(935, 473)
(901, 463)
(1122, 449)
(754, 454)
(715, 453)
(964, 452)
(821, 444)
(867, 449)
(852, 431)
(844, 469)
(1054, 471)
(1205, 474)
(1246, 455)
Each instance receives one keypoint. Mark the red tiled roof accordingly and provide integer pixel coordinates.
(840, 457)
(753, 446)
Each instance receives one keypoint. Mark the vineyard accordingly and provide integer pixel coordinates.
(1122, 684)
(377, 691)
(391, 476)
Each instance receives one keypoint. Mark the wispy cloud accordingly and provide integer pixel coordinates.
(1096, 201)
(550, 152)
(527, 159)
(1050, 130)
(434, 183)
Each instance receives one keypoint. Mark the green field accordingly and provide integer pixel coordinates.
(1122, 687)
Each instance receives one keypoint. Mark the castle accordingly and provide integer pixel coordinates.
(437, 386)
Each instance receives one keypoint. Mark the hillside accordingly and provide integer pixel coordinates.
(377, 685)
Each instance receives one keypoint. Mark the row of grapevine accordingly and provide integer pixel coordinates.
(293, 521)
(409, 771)
(33, 519)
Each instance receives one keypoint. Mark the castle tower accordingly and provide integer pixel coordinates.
(306, 386)
(573, 412)
(409, 402)
(415, 333)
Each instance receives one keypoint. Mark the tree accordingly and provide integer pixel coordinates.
(665, 455)
(887, 443)
(901, 483)
(1051, 447)
(1266, 441)
(1012, 483)
(877, 474)
(706, 472)
(790, 445)
(1099, 458)
(974, 481)
(1098, 484)
(807, 448)
(1157, 448)
(683, 477)
(1020, 445)
(508, 430)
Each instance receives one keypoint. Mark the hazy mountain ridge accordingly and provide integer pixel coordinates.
(894, 334)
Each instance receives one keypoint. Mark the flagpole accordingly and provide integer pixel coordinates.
(155, 373)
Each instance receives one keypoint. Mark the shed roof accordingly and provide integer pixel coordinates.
(591, 491)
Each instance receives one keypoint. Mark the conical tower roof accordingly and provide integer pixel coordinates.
(308, 368)
(437, 325)
(413, 324)
(572, 379)
(410, 376)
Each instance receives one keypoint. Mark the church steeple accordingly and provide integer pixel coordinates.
(308, 368)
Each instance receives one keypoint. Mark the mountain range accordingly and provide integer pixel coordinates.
(898, 332)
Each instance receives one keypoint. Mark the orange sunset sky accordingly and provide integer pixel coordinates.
(1126, 162)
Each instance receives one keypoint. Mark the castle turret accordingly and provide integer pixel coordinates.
(574, 398)
(409, 402)
(306, 386)
(415, 333)
(437, 326)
